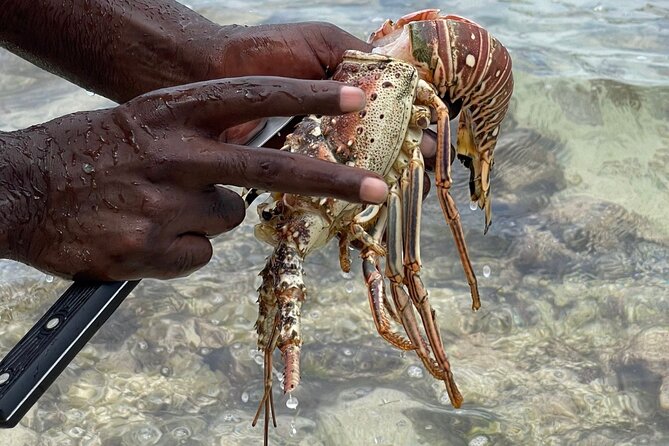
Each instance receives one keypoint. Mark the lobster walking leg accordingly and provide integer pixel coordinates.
(394, 272)
(427, 96)
(378, 300)
(412, 192)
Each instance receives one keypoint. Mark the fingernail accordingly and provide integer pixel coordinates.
(351, 99)
(373, 190)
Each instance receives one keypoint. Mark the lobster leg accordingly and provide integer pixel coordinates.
(412, 192)
(344, 257)
(378, 300)
(443, 180)
(394, 272)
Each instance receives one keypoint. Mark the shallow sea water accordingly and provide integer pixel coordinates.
(571, 345)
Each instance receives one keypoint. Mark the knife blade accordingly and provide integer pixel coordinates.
(28, 370)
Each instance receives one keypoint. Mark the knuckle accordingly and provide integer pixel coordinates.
(153, 205)
(138, 240)
(269, 171)
(160, 164)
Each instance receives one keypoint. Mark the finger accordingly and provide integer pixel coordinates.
(224, 103)
(274, 170)
(187, 253)
(211, 212)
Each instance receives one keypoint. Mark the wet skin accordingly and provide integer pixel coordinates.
(129, 192)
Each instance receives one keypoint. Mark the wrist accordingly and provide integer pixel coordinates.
(179, 49)
(209, 48)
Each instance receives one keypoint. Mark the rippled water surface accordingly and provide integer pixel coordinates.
(571, 345)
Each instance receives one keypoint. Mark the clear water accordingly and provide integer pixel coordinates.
(571, 345)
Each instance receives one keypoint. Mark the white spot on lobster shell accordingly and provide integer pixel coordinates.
(470, 60)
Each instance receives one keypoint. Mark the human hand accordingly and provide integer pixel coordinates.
(122, 49)
(131, 191)
(308, 50)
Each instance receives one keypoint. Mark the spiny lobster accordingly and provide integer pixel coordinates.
(425, 64)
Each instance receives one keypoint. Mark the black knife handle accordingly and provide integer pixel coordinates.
(44, 352)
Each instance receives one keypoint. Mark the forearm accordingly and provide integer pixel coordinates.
(116, 48)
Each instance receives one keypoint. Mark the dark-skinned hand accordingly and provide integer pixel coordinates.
(121, 49)
(131, 191)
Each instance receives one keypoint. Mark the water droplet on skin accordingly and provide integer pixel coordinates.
(245, 397)
(165, 371)
(347, 275)
(90, 93)
(292, 402)
(349, 287)
(142, 345)
(87, 168)
(293, 429)
(486, 271)
(473, 206)
(415, 372)
(48, 278)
